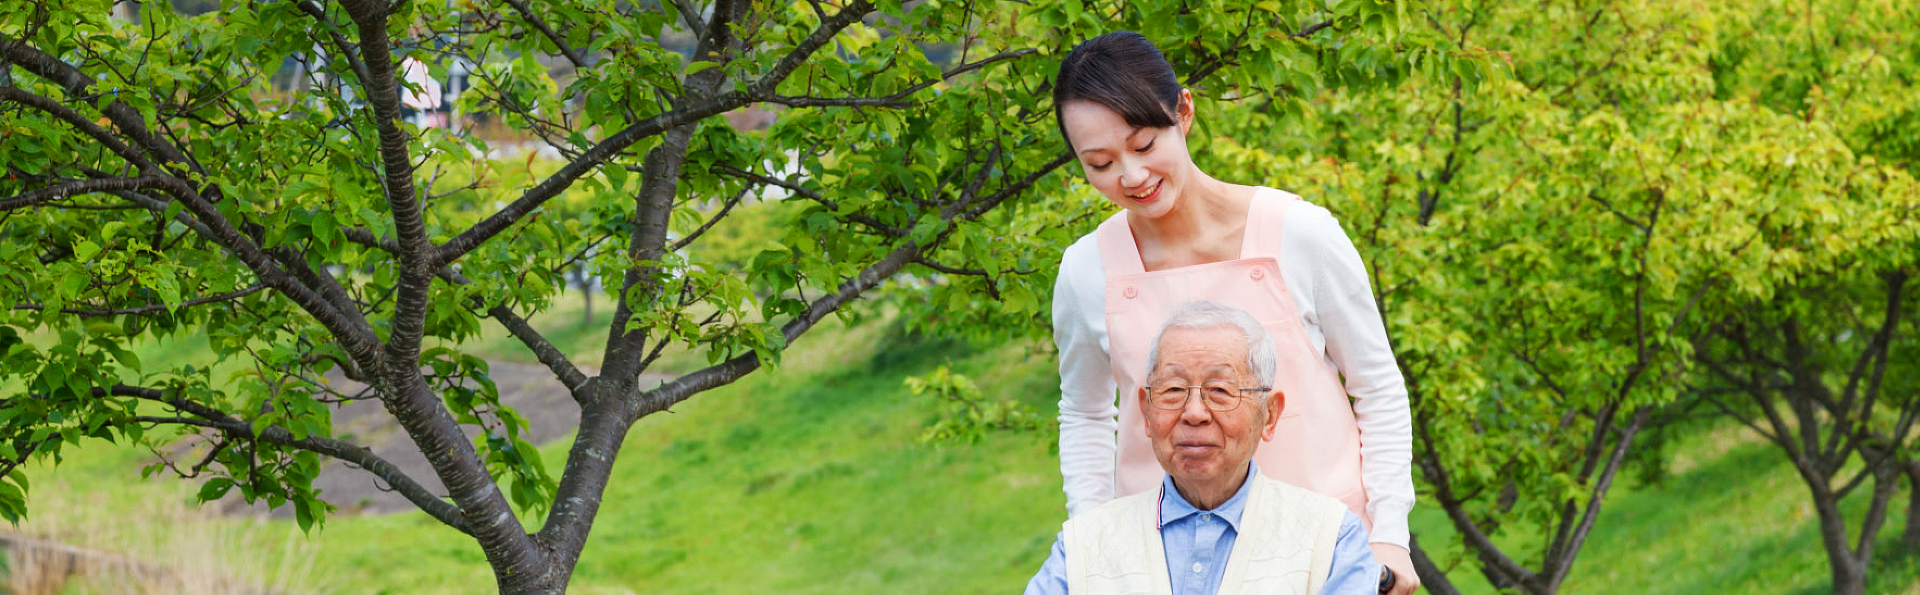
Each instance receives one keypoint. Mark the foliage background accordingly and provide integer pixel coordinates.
(1555, 200)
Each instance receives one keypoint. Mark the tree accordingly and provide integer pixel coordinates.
(1815, 370)
(1549, 242)
(158, 185)
(1823, 367)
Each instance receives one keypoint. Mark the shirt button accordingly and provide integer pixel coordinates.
(1130, 292)
(1206, 518)
(1196, 568)
(1257, 273)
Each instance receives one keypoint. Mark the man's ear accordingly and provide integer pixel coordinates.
(1275, 403)
(1146, 423)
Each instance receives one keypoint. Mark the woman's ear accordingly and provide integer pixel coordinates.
(1184, 111)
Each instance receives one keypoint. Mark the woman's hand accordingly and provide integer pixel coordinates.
(1396, 558)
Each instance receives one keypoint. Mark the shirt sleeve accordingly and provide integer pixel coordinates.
(1052, 578)
(1354, 570)
(1356, 344)
(1089, 418)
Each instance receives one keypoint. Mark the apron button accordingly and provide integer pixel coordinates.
(1257, 273)
(1130, 292)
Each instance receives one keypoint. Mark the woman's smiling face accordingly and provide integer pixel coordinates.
(1143, 170)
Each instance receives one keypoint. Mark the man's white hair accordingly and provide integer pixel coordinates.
(1261, 356)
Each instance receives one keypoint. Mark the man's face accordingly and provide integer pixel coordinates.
(1200, 447)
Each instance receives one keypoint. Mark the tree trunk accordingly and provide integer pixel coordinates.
(1432, 578)
(1911, 536)
(1849, 578)
(1849, 572)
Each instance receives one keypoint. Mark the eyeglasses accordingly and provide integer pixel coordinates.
(1171, 394)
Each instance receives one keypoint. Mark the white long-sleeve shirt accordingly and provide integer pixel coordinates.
(1328, 283)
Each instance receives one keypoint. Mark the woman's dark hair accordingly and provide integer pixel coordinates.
(1123, 71)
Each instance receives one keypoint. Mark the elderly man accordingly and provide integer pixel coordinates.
(1215, 525)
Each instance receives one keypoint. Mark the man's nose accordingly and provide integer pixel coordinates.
(1195, 412)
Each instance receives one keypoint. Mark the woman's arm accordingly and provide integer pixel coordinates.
(1089, 419)
(1356, 344)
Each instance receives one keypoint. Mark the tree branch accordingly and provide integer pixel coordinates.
(353, 333)
(691, 15)
(962, 69)
(684, 387)
(232, 295)
(417, 253)
(1569, 549)
(543, 350)
(1875, 354)
(77, 84)
(711, 221)
(520, 6)
(83, 187)
(695, 111)
(860, 218)
(79, 122)
(804, 101)
(360, 456)
(1455, 509)
(340, 42)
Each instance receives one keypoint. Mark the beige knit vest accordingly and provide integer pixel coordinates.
(1285, 545)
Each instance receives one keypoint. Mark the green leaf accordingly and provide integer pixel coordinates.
(85, 250)
(215, 488)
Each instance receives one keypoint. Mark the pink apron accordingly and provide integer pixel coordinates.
(1317, 443)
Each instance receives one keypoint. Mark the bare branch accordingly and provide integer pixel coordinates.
(366, 238)
(773, 181)
(1455, 508)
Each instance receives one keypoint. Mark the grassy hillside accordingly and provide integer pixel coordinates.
(806, 479)
(1731, 517)
(811, 478)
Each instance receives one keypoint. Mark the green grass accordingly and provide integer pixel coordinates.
(1731, 517)
(811, 478)
(808, 478)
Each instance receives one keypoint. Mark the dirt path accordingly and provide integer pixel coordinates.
(529, 389)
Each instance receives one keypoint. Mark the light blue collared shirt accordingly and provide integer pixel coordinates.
(1198, 541)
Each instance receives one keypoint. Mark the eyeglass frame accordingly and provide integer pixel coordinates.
(1148, 387)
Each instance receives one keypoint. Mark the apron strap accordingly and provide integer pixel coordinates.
(1266, 217)
(1118, 252)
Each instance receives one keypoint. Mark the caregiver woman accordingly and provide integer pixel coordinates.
(1183, 235)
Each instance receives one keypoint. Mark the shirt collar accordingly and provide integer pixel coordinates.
(1173, 507)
